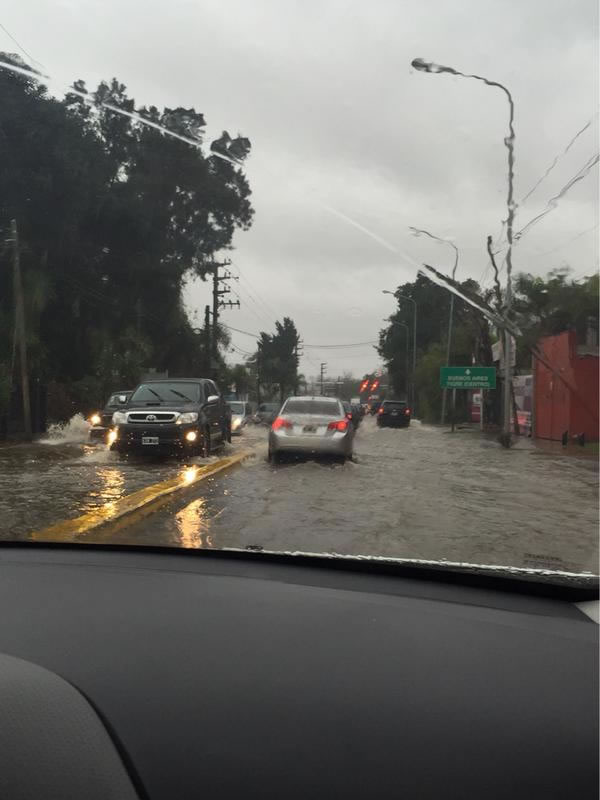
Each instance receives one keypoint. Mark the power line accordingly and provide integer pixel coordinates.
(238, 330)
(556, 160)
(20, 46)
(249, 307)
(268, 309)
(564, 244)
(254, 307)
(553, 202)
(338, 346)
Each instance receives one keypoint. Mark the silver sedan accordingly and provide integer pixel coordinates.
(311, 425)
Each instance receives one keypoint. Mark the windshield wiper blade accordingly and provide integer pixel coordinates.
(179, 394)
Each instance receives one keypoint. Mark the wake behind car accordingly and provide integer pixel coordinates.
(352, 413)
(101, 421)
(393, 413)
(313, 426)
(172, 417)
(266, 413)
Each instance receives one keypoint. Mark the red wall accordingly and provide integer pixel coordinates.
(557, 407)
(584, 415)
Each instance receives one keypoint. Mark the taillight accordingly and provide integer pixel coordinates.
(280, 422)
(348, 415)
(380, 410)
(407, 411)
(340, 425)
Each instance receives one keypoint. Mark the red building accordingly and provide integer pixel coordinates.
(568, 405)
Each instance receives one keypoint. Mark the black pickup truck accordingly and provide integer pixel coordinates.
(175, 416)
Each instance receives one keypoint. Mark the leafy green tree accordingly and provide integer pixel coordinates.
(546, 306)
(277, 359)
(113, 217)
(471, 341)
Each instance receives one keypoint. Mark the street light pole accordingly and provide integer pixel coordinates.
(418, 232)
(509, 141)
(414, 344)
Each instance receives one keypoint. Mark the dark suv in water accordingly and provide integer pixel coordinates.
(176, 416)
(101, 421)
(393, 413)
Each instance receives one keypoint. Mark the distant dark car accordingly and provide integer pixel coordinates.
(374, 407)
(393, 413)
(266, 413)
(177, 416)
(101, 421)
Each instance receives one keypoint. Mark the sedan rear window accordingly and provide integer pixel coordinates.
(389, 404)
(324, 408)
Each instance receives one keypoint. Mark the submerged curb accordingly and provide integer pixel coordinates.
(141, 501)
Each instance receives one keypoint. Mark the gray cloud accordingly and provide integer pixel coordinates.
(337, 118)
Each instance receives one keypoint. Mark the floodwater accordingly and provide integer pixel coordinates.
(420, 492)
(64, 475)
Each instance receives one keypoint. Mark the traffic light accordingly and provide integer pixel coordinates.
(364, 386)
(374, 385)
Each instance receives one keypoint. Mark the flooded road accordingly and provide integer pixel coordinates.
(64, 475)
(418, 493)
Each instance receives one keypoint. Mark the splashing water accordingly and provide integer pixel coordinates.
(75, 430)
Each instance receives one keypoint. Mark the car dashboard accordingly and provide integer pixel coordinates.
(184, 674)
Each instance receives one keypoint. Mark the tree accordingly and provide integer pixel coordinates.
(471, 341)
(113, 216)
(546, 306)
(277, 359)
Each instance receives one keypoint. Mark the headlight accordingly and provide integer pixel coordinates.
(187, 417)
(112, 436)
(235, 424)
(119, 418)
(95, 419)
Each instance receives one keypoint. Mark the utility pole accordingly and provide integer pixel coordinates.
(297, 353)
(20, 328)
(218, 303)
(258, 378)
(207, 348)
(323, 369)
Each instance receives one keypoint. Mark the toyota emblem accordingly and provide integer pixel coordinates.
(151, 418)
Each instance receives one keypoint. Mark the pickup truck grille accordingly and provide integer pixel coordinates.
(153, 417)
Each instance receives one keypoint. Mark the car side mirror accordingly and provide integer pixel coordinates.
(122, 399)
(212, 399)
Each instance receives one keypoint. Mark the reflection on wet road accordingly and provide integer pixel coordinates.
(415, 493)
(62, 478)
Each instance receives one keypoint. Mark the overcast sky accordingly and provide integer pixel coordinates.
(339, 122)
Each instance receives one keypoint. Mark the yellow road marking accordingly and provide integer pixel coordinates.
(110, 512)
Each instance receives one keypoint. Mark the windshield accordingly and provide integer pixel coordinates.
(367, 233)
(322, 408)
(117, 399)
(166, 393)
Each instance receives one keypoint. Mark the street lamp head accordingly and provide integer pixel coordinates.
(387, 291)
(430, 66)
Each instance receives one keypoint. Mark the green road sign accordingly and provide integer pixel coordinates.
(468, 377)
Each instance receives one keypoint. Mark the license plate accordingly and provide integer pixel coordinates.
(310, 429)
(149, 439)
(394, 413)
